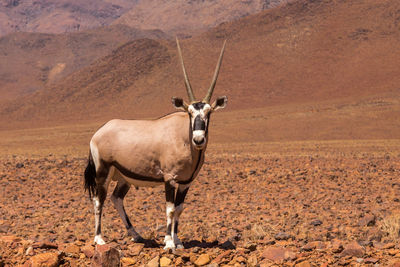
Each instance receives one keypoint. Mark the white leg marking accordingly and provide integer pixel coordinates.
(169, 242)
(97, 239)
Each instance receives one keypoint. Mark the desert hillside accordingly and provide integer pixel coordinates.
(55, 16)
(29, 61)
(329, 69)
(188, 17)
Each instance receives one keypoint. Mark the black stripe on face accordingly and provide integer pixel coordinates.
(135, 176)
(199, 124)
(198, 105)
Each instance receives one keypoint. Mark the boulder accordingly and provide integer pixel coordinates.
(353, 249)
(48, 259)
(278, 254)
(106, 256)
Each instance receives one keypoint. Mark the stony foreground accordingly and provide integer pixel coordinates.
(243, 210)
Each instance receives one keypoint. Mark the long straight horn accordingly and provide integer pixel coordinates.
(187, 82)
(214, 81)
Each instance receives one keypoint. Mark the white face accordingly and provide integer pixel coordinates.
(199, 115)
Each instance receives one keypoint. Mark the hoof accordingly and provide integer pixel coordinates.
(170, 249)
(98, 240)
(179, 246)
(169, 244)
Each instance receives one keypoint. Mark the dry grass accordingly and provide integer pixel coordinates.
(391, 226)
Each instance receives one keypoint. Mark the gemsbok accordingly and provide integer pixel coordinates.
(169, 150)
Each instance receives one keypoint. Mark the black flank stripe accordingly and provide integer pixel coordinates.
(135, 176)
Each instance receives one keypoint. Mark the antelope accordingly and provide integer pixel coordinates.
(169, 150)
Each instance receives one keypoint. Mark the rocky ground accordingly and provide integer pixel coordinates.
(260, 209)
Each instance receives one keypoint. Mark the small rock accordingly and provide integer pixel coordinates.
(128, 261)
(304, 264)
(202, 260)
(106, 255)
(309, 246)
(19, 165)
(10, 239)
(228, 245)
(353, 249)
(222, 256)
(316, 222)
(368, 220)
(282, 236)
(72, 250)
(88, 250)
(393, 251)
(337, 246)
(154, 262)
(250, 246)
(164, 262)
(370, 260)
(313, 245)
(136, 249)
(388, 246)
(48, 259)
(278, 254)
(45, 245)
(252, 261)
(241, 259)
(178, 261)
(29, 251)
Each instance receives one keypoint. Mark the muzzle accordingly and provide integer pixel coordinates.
(199, 133)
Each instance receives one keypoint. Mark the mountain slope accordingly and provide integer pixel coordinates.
(28, 61)
(59, 16)
(187, 17)
(310, 69)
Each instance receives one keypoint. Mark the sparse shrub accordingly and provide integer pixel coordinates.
(391, 226)
(257, 232)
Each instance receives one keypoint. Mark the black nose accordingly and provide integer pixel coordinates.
(198, 141)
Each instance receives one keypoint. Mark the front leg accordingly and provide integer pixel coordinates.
(170, 211)
(179, 199)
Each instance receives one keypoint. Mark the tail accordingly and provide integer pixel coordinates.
(90, 177)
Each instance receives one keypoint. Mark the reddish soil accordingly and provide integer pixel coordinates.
(311, 201)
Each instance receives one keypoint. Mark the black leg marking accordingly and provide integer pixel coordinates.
(179, 199)
(117, 198)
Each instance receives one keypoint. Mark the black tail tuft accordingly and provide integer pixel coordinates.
(90, 177)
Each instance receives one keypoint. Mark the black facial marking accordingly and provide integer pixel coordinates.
(199, 124)
(198, 105)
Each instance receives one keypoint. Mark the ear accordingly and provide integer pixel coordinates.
(179, 103)
(219, 103)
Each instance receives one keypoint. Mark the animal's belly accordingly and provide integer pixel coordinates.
(138, 180)
(140, 183)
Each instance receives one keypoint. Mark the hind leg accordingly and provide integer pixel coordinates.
(102, 182)
(98, 202)
(117, 198)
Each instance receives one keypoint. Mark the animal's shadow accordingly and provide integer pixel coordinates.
(150, 243)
